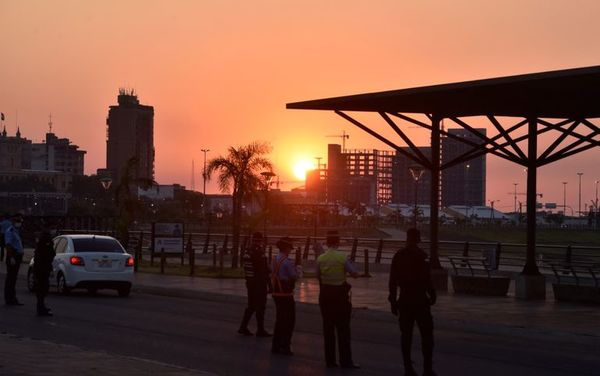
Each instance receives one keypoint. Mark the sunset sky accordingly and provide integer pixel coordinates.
(219, 73)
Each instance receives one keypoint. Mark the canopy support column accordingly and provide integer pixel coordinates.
(435, 193)
(530, 264)
(531, 284)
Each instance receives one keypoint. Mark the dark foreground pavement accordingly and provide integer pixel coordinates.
(158, 334)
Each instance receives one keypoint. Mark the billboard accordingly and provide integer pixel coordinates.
(168, 237)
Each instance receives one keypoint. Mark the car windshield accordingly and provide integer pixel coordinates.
(97, 245)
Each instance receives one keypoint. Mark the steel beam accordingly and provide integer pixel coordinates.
(378, 136)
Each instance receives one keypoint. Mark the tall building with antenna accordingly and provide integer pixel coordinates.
(130, 134)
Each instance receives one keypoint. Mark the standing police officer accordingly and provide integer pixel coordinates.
(284, 277)
(410, 272)
(258, 284)
(14, 257)
(334, 301)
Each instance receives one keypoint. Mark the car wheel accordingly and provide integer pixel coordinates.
(61, 283)
(92, 291)
(30, 280)
(124, 291)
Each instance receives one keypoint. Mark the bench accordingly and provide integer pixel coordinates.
(474, 276)
(576, 282)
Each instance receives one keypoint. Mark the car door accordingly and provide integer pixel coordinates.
(60, 247)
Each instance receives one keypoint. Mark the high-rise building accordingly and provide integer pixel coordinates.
(57, 154)
(130, 135)
(464, 183)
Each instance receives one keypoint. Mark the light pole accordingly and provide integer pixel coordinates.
(467, 167)
(204, 184)
(492, 208)
(564, 198)
(596, 206)
(268, 178)
(416, 171)
(580, 173)
(515, 184)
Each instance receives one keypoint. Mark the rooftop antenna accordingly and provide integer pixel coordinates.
(50, 123)
(344, 137)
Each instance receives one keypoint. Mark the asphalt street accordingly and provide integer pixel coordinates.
(201, 334)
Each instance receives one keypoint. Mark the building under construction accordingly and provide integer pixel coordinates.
(353, 176)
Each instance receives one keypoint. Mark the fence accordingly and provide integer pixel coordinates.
(216, 250)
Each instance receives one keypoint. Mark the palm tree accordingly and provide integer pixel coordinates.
(240, 170)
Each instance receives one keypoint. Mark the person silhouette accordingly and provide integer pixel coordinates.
(410, 273)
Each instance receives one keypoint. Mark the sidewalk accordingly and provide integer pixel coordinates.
(25, 356)
(369, 296)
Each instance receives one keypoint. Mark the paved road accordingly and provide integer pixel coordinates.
(200, 334)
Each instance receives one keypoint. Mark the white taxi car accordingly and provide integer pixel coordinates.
(89, 262)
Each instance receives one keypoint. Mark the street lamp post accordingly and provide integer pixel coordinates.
(268, 178)
(596, 206)
(204, 185)
(416, 171)
(564, 198)
(515, 184)
(579, 210)
(492, 209)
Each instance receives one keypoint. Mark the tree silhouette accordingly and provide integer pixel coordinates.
(240, 170)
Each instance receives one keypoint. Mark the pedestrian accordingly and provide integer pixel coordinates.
(258, 285)
(284, 278)
(42, 267)
(4, 225)
(410, 273)
(334, 302)
(14, 257)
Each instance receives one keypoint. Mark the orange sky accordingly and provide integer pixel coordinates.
(219, 73)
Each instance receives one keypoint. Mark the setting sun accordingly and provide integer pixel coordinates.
(301, 167)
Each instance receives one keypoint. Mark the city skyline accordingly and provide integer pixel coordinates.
(220, 75)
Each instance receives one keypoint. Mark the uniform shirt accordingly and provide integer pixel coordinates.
(12, 238)
(255, 264)
(286, 274)
(410, 272)
(332, 267)
(4, 225)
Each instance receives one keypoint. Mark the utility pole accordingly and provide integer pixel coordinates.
(515, 184)
(580, 173)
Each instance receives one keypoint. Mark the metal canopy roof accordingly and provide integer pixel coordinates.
(569, 93)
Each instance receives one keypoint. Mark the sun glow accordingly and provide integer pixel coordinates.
(301, 167)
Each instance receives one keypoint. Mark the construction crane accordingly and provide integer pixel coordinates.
(344, 136)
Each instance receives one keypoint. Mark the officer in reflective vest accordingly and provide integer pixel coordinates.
(284, 275)
(334, 301)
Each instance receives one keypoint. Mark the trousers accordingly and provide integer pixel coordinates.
(257, 302)
(42, 285)
(12, 271)
(408, 314)
(285, 320)
(336, 309)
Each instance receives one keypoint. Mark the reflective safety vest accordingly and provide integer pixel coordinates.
(279, 288)
(332, 267)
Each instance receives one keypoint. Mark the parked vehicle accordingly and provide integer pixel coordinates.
(91, 262)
